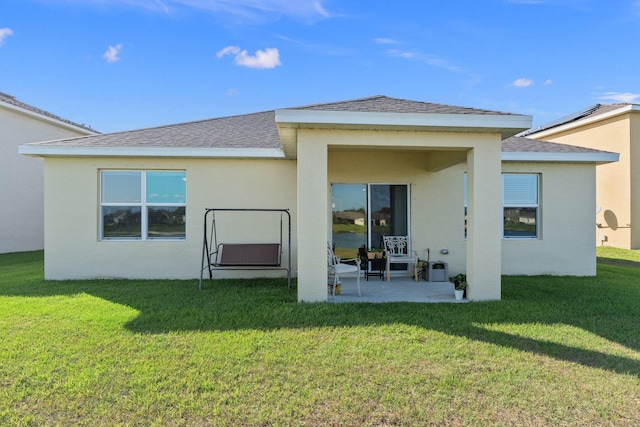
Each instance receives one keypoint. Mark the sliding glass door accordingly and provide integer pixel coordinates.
(363, 213)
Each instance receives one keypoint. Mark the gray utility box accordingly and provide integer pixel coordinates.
(437, 271)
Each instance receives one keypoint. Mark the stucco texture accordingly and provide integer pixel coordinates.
(22, 189)
(73, 249)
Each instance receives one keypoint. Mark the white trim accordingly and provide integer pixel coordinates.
(601, 157)
(584, 121)
(535, 206)
(488, 121)
(88, 151)
(144, 206)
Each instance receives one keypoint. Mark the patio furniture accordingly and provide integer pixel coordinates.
(371, 267)
(244, 256)
(397, 251)
(338, 267)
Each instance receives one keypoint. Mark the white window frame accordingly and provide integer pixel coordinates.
(143, 205)
(535, 206)
(504, 205)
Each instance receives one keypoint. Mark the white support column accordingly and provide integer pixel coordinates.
(484, 222)
(312, 220)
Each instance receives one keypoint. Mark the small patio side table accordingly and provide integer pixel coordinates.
(373, 267)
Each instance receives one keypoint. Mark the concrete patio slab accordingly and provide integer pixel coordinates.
(400, 289)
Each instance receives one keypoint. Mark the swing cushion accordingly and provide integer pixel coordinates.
(248, 255)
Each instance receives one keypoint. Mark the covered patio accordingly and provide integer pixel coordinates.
(400, 289)
(427, 149)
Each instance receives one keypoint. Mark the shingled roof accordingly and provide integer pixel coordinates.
(518, 144)
(517, 148)
(385, 104)
(259, 130)
(256, 130)
(11, 100)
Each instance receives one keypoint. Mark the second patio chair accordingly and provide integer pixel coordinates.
(338, 267)
(397, 251)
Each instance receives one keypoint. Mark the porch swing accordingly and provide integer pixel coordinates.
(243, 256)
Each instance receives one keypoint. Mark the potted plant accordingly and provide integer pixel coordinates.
(460, 285)
(338, 288)
(373, 253)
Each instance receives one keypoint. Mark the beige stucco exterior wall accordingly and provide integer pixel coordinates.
(618, 184)
(567, 229)
(73, 249)
(22, 188)
(565, 246)
(436, 198)
(397, 157)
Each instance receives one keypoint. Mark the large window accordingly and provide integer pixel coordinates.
(520, 203)
(143, 205)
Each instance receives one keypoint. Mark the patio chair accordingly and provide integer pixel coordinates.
(338, 267)
(397, 251)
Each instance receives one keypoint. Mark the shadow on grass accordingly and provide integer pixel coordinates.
(618, 262)
(607, 306)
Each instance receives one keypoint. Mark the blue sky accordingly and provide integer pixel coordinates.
(127, 64)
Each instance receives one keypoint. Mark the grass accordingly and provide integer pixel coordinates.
(554, 351)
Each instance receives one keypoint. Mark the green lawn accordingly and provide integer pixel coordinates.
(554, 351)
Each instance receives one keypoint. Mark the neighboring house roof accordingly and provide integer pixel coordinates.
(594, 112)
(258, 135)
(11, 101)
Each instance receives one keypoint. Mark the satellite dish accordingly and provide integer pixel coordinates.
(598, 209)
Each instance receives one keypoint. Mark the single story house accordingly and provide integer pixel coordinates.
(442, 175)
(610, 127)
(22, 189)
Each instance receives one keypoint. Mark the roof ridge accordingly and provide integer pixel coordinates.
(366, 98)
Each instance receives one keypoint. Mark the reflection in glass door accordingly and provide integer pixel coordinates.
(388, 212)
(348, 218)
(363, 213)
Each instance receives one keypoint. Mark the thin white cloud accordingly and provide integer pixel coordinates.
(232, 92)
(626, 97)
(548, 82)
(522, 83)
(4, 33)
(113, 53)
(317, 5)
(428, 59)
(268, 58)
(384, 40)
(243, 10)
(635, 7)
(527, 1)
(229, 50)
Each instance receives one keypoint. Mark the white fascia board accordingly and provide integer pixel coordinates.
(75, 151)
(560, 157)
(489, 121)
(582, 122)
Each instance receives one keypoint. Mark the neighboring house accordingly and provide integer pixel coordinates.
(436, 171)
(610, 127)
(22, 188)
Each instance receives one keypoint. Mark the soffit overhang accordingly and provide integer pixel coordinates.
(289, 121)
